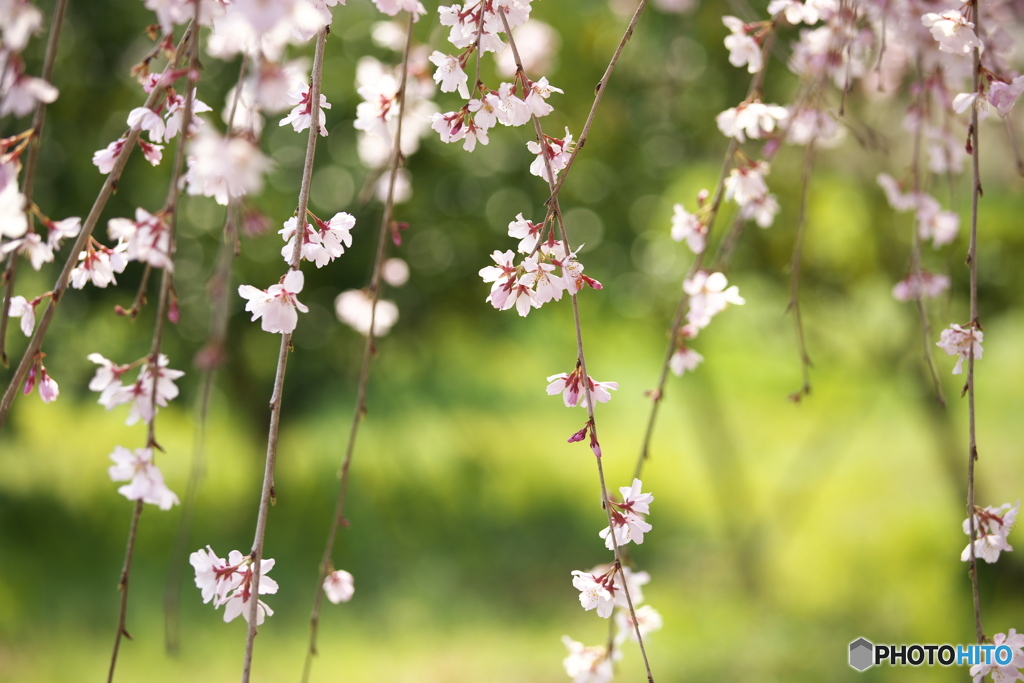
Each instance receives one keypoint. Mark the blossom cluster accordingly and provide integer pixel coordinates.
(478, 26)
(230, 582)
(991, 526)
(533, 282)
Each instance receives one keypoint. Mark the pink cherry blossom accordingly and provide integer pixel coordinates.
(589, 664)
(571, 387)
(302, 114)
(229, 582)
(743, 49)
(146, 481)
(647, 621)
(354, 308)
(684, 360)
(959, 341)
(338, 586)
(1003, 673)
(277, 305)
(688, 226)
(709, 295)
(104, 159)
(223, 168)
(98, 266)
(449, 74)
(954, 33)
(32, 247)
(21, 308)
(628, 516)
(48, 389)
(991, 526)
(925, 284)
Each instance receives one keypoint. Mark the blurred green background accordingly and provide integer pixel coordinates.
(781, 531)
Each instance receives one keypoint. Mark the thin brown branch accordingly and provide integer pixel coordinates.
(28, 184)
(658, 394)
(369, 351)
(153, 362)
(794, 276)
(63, 280)
(122, 586)
(972, 259)
(555, 210)
(282, 357)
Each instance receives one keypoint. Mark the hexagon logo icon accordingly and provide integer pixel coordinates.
(861, 654)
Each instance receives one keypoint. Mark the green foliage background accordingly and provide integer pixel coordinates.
(781, 531)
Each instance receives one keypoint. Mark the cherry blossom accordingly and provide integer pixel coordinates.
(589, 664)
(959, 341)
(354, 308)
(1003, 95)
(338, 586)
(595, 591)
(302, 114)
(746, 183)
(449, 74)
(627, 516)
(761, 209)
(954, 33)
(320, 245)
(557, 152)
(689, 227)
(229, 582)
(752, 120)
(105, 158)
(571, 387)
(277, 305)
(13, 222)
(743, 49)
(991, 526)
(62, 230)
(31, 246)
(23, 92)
(146, 481)
(142, 118)
(1003, 673)
(393, 7)
(146, 239)
(224, 167)
(98, 266)
(48, 389)
(21, 308)
(709, 295)
(924, 284)
(647, 620)
(684, 360)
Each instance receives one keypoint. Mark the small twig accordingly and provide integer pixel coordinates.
(555, 211)
(972, 258)
(794, 276)
(170, 211)
(282, 357)
(658, 394)
(38, 119)
(915, 255)
(122, 586)
(63, 280)
(369, 350)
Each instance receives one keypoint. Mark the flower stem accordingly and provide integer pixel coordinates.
(267, 492)
(38, 119)
(63, 280)
(369, 350)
